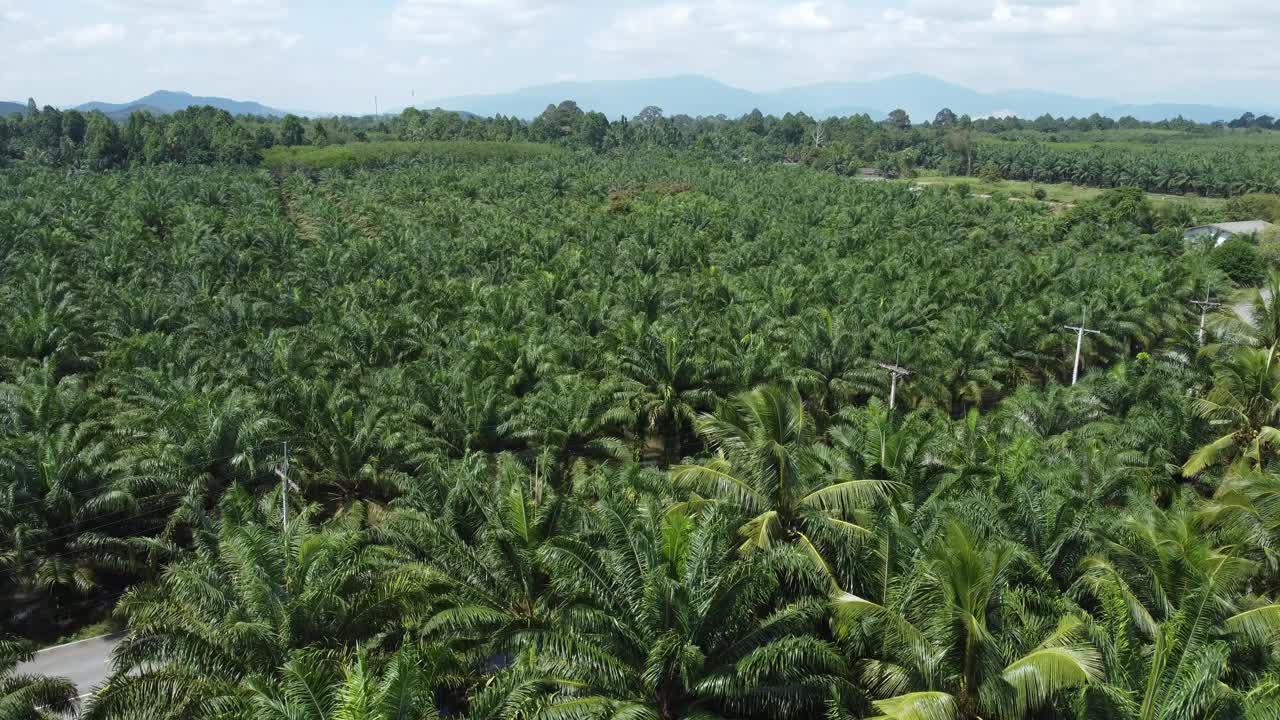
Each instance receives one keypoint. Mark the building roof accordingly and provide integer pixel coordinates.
(1232, 228)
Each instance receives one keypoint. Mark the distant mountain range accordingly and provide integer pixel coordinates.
(920, 95)
(163, 102)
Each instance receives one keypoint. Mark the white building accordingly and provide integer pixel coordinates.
(1221, 231)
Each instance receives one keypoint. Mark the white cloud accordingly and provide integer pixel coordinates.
(750, 24)
(89, 37)
(222, 38)
(424, 66)
(208, 23)
(447, 23)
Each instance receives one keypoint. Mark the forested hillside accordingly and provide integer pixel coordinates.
(506, 433)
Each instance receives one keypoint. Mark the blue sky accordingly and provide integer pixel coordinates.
(335, 56)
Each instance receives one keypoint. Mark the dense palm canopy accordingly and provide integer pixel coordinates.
(506, 433)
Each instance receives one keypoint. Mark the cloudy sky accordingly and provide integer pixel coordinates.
(335, 56)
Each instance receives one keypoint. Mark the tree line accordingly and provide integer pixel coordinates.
(1216, 161)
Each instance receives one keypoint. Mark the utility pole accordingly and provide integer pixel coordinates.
(1205, 306)
(283, 472)
(1080, 330)
(895, 371)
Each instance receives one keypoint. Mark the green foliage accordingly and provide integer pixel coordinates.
(388, 153)
(1238, 258)
(1253, 206)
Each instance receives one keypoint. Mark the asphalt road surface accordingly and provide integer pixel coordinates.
(1244, 309)
(86, 662)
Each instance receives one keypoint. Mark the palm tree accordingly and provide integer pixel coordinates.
(1245, 403)
(1245, 510)
(664, 624)
(1179, 637)
(316, 685)
(662, 391)
(953, 641)
(31, 697)
(62, 515)
(235, 611)
(767, 464)
(479, 550)
(564, 419)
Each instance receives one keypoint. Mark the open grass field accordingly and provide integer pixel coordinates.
(365, 155)
(1062, 193)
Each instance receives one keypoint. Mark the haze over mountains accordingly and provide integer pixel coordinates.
(920, 95)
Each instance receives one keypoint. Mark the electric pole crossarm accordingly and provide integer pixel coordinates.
(895, 371)
(1206, 306)
(1080, 331)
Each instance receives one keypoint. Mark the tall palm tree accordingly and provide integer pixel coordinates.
(1243, 410)
(664, 624)
(767, 464)
(31, 697)
(1261, 326)
(62, 513)
(950, 642)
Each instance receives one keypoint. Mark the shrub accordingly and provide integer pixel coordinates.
(1253, 206)
(1039, 193)
(1239, 259)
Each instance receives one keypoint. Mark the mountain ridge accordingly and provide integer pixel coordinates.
(698, 95)
(919, 94)
(170, 101)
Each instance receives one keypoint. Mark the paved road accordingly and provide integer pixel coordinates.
(1245, 309)
(87, 662)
